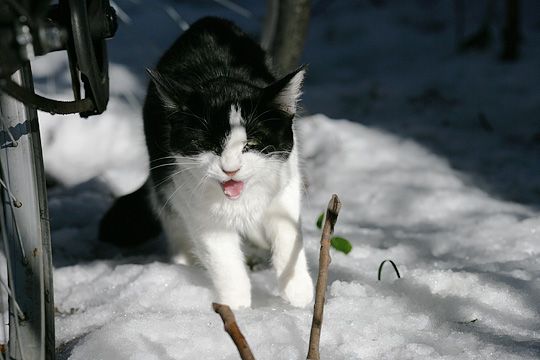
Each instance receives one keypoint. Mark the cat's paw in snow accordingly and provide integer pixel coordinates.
(236, 302)
(236, 297)
(298, 291)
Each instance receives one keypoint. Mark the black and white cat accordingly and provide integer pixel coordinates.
(220, 134)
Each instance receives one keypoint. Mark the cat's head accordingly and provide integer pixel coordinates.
(233, 134)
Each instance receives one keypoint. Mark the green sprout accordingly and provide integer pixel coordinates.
(393, 265)
(337, 242)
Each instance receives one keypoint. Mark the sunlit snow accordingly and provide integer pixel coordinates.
(404, 165)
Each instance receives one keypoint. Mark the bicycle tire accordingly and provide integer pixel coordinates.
(25, 229)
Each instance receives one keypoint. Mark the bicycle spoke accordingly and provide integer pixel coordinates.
(13, 203)
(240, 10)
(16, 202)
(176, 17)
(11, 294)
(17, 307)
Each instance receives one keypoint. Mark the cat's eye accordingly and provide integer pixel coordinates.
(250, 144)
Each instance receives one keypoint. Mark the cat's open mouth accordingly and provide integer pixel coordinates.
(232, 189)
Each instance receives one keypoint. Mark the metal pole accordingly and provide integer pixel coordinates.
(27, 228)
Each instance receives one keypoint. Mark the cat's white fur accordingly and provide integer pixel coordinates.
(207, 226)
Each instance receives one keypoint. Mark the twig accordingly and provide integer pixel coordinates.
(233, 330)
(324, 261)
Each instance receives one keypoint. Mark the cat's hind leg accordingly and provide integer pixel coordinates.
(130, 221)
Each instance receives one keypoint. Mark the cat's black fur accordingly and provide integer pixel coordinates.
(130, 221)
(211, 66)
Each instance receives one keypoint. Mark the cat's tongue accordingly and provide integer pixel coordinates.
(232, 189)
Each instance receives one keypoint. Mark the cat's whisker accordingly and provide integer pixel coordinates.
(274, 153)
(171, 164)
(178, 172)
(204, 121)
(173, 175)
(201, 181)
(253, 110)
(163, 158)
(264, 149)
(269, 119)
(252, 120)
(177, 157)
(162, 165)
(172, 195)
(190, 113)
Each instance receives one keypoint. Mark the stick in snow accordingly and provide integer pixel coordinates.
(233, 330)
(324, 260)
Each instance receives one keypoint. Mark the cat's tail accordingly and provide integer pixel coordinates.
(130, 221)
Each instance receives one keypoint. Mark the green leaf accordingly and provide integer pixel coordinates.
(320, 220)
(341, 244)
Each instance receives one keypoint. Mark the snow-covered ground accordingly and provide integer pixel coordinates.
(437, 168)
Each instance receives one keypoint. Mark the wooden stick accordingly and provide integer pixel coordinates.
(324, 261)
(233, 330)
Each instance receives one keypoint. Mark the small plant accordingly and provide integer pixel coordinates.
(320, 220)
(337, 242)
(393, 265)
(341, 244)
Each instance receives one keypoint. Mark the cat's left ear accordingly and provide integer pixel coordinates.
(286, 91)
(167, 88)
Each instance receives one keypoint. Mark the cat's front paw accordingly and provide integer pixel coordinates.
(298, 290)
(235, 298)
(236, 303)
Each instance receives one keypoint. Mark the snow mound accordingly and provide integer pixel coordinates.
(469, 260)
(469, 266)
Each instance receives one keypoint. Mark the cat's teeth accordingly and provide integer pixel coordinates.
(232, 189)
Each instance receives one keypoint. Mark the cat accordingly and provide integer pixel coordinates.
(224, 169)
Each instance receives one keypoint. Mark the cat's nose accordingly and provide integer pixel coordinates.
(230, 173)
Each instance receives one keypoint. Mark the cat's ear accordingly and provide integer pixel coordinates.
(168, 89)
(286, 91)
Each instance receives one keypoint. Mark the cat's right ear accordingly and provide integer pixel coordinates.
(167, 88)
(286, 91)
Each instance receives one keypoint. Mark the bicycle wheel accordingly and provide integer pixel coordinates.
(25, 231)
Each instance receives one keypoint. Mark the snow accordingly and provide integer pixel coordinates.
(422, 182)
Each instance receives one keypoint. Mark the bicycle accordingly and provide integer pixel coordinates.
(29, 29)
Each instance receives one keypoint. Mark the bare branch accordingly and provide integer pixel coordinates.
(233, 330)
(324, 261)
